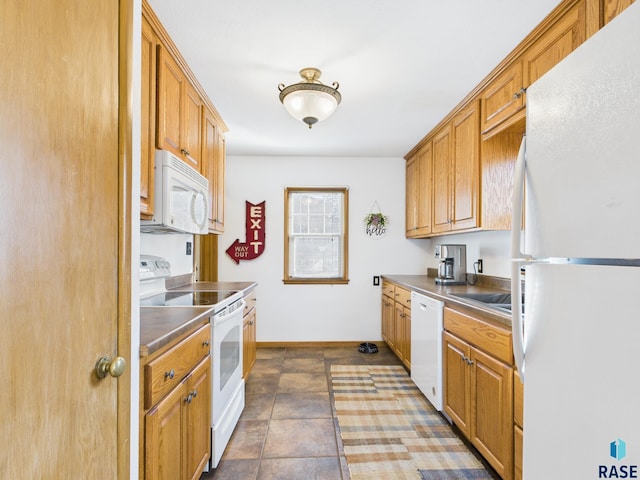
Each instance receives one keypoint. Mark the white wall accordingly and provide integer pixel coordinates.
(320, 312)
(172, 247)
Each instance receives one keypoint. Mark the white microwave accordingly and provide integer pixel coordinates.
(181, 198)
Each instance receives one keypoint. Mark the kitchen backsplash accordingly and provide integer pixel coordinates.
(494, 248)
(172, 247)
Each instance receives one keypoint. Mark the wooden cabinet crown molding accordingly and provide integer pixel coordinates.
(166, 41)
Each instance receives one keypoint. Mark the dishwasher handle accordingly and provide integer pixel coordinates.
(425, 303)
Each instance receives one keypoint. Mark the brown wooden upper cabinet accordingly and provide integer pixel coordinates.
(456, 180)
(177, 115)
(504, 98)
(562, 38)
(419, 192)
(468, 183)
(213, 160)
(465, 174)
(611, 8)
(179, 124)
(147, 118)
(441, 221)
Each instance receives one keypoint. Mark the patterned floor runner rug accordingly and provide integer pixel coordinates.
(390, 431)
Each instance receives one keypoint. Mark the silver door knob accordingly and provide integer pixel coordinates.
(105, 366)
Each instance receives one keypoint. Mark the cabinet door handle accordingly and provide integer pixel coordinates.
(205, 343)
(188, 398)
(170, 374)
(520, 92)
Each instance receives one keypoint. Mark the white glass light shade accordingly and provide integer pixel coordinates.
(310, 106)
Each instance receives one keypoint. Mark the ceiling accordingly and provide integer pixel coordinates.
(402, 65)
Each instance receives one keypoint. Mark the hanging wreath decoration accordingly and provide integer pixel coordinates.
(375, 222)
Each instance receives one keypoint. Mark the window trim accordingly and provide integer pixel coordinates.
(345, 238)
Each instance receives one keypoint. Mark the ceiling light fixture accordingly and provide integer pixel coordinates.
(310, 100)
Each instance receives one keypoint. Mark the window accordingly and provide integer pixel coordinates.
(315, 235)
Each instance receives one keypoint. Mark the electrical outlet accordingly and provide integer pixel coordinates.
(188, 248)
(479, 265)
(376, 280)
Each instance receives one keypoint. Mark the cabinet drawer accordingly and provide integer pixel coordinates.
(250, 302)
(162, 374)
(490, 338)
(403, 296)
(388, 289)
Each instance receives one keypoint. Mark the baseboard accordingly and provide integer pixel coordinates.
(311, 344)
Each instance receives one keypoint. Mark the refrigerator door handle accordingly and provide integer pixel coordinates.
(517, 203)
(518, 259)
(516, 317)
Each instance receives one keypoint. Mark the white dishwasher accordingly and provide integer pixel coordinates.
(426, 346)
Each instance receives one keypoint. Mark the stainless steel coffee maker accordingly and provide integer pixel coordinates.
(452, 269)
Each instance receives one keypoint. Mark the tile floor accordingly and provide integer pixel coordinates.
(288, 430)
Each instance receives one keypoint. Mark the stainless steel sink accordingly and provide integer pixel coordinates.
(486, 297)
(501, 301)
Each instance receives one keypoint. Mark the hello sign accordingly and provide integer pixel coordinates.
(254, 234)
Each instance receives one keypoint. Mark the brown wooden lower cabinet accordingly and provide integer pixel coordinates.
(517, 452)
(249, 333)
(178, 429)
(396, 320)
(402, 328)
(388, 327)
(248, 343)
(175, 437)
(518, 425)
(478, 388)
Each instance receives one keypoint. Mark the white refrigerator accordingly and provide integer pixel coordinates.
(577, 344)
